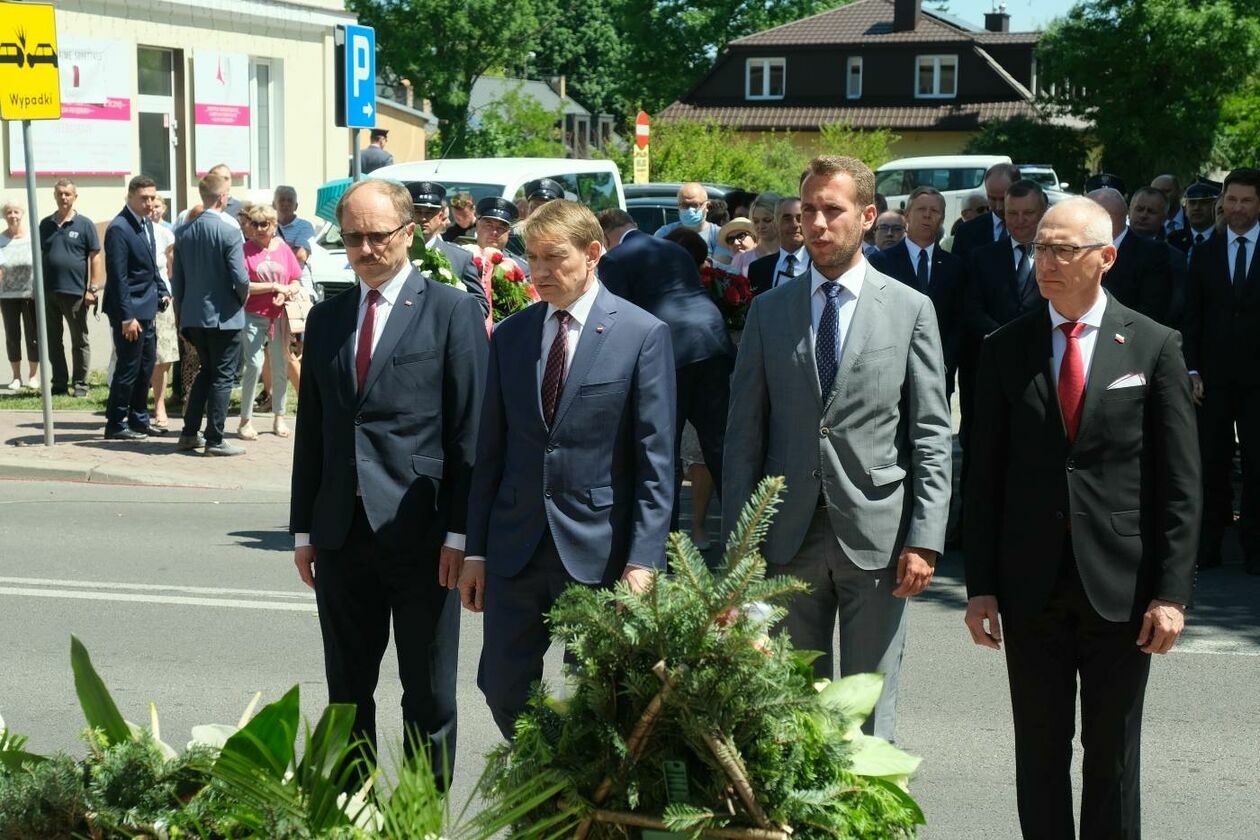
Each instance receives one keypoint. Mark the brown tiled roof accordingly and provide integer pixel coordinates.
(952, 117)
(1005, 38)
(869, 22)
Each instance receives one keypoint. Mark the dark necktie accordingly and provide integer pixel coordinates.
(1198, 239)
(921, 273)
(1240, 264)
(827, 344)
(1024, 276)
(1072, 379)
(789, 268)
(363, 352)
(148, 234)
(557, 359)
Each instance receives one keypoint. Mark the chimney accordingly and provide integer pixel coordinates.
(411, 93)
(997, 20)
(906, 15)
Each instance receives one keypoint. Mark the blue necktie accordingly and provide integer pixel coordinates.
(827, 344)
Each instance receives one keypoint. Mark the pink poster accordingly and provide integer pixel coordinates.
(221, 111)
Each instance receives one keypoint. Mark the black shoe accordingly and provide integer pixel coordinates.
(151, 431)
(126, 434)
(188, 443)
(59, 391)
(80, 391)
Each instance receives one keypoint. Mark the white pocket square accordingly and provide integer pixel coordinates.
(1129, 380)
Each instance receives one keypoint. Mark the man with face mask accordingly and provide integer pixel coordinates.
(693, 207)
(429, 207)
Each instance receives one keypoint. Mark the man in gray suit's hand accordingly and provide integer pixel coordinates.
(840, 387)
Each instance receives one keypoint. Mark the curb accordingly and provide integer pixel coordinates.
(105, 473)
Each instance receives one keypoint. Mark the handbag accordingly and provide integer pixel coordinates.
(295, 312)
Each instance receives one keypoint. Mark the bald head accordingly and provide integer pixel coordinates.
(1112, 201)
(1074, 252)
(1085, 215)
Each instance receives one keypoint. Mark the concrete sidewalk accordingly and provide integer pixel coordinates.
(82, 454)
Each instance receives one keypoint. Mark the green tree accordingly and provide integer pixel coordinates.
(442, 46)
(1238, 136)
(873, 148)
(516, 125)
(579, 40)
(1150, 75)
(1034, 141)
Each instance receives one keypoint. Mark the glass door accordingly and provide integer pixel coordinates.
(159, 124)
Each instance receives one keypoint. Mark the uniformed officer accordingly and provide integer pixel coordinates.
(428, 207)
(539, 192)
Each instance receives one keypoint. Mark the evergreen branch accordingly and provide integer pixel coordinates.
(733, 766)
(640, 821)
(755, 519)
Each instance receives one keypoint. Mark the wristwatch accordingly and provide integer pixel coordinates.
(94, 289)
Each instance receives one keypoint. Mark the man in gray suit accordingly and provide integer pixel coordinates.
(210, 285)
(373, 156)
(839, 386)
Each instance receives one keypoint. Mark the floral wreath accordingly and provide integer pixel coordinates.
(435, 264)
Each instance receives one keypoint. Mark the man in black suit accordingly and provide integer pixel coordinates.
(792, 260)
(134, 292)
(383, 454)
(1081, 525)
(373, 156)
(919, 262)
(661, 277)
(1169, 186)
(429, 207)
(1141, 277)
(1222, 329)
(991, 226)
(1200, 204)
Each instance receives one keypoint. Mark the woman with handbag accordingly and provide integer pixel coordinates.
(274, 276)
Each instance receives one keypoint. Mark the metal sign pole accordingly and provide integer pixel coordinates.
(354, 151)
(37, 276)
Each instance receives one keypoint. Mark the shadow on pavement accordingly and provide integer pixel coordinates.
(264, 540)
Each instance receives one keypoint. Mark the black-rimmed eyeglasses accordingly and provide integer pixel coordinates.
(375, 239)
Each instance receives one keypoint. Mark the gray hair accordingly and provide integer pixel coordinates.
(10, 203)
(1097, 221)
(778, 205)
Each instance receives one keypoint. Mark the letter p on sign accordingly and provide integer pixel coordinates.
(361, 61)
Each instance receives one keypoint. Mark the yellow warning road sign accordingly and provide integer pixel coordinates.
(30, 83)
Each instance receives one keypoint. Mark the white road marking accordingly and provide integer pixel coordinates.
(154, 587)
(159, 599)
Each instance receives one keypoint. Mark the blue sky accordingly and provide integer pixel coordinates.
(1025, 14)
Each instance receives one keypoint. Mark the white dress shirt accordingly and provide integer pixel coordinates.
(846, 303)
(802, 261)
(1087, 340)
(389, 290)
(1019, 254)
(579, 313)
(1120, 237)
(1206, 234)
(1177, 222)
(914, 256)
(1233, 246)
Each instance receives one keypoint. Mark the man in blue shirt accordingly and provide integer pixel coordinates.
(297, 233)
(693, 209)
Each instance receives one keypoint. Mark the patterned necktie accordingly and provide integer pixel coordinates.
(557, 360)
(1240, 263)
(363, 352)
(1072, 379)
(789, 269)
(1024, 275)
(827, 344)
(921, 273)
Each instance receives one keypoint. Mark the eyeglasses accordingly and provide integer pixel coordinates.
(375, 239)
(737, 237)
(259, 225)
(1063, 252)
(890, 228)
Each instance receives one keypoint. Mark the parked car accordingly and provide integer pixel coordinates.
(595, 183)
(1043, 174)
(650, 212)
(669, 189)
(954, 175)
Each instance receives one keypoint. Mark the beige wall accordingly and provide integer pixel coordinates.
(309, 149)
(407, 136)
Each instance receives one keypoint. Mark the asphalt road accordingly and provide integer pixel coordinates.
(188, 598)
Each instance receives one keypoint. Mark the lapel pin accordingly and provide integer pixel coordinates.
(1119, 339)
(408, 303)
(599, 328)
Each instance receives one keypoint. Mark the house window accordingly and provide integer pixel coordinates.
(936, 77)
(765, 78)
(853, 85)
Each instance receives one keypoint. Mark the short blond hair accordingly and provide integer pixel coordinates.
(397, 194)
(211, 186)
(563, 219)
(261, 213)
(829, 166)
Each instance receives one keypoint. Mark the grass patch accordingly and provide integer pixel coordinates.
(98, 395)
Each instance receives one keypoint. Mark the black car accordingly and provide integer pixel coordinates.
(42, 54)
(650, 212)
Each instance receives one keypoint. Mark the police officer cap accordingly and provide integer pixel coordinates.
(497, 208)
(1200, 191)
(544, 189)
(426, 193)
(1105, 179)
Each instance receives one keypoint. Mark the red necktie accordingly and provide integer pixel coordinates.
(554, 372)
(1072, 379)
(363, 353)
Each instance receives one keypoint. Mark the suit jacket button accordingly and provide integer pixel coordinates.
(817, 473)
(358, 419)
(551, 447)
(1071, 465)
(1058, 514)
(824, 431)
(547, 494)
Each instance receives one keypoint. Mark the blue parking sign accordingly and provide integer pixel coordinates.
(357, 76)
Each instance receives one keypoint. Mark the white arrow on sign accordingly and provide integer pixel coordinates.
(367, 111)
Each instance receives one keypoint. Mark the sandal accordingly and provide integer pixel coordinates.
(246, 431)
(280, 427)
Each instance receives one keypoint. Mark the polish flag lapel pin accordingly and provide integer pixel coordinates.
(599, 328)
(1119, 339)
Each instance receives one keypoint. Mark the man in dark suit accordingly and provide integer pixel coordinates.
(661, 277)
(383, 453)
(920, 263)
(429, 207)
(1141, 276)
(211, 286)
(1200, 204)
(133, 294)
(574, 476)
(373, 156)
(987, 227)
(1081, 526)
(791, 260)
(1169, 186)
(1222, 329)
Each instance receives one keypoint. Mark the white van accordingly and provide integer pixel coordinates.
(595, 183)
(956, 176)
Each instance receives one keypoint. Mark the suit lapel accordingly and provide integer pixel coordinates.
(799, 321)
(599, 324)
(401, 316)
(533, 356)
(346, 320)
(869, 309)
(1041, 361)
(1111, 360)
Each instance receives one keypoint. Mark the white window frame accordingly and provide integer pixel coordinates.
(766, 64)
(855, 61)
(937, 62)
(275, 107)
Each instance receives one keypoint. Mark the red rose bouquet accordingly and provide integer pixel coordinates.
(731, 292)
(510, 291)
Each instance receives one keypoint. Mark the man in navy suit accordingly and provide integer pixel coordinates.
(661, 277)
(133, 294)
(791, 260)
(920, 263)
(1141, 277)
(987, 227)
(382, 457)
(575, 454)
